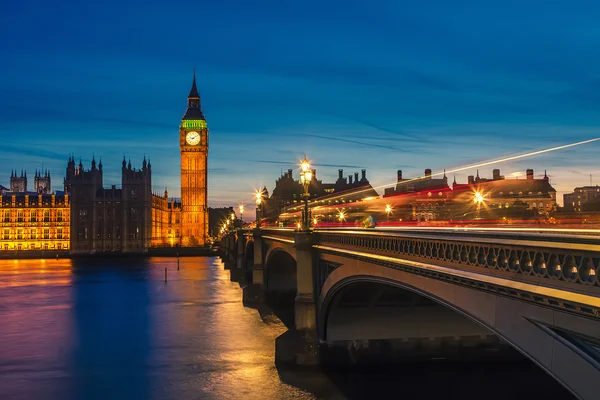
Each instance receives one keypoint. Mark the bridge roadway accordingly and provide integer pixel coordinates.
(429, 290)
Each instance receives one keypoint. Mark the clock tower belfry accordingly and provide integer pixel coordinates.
(193, 145)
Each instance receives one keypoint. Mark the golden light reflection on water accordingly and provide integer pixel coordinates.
(18, 273)
(230, 348)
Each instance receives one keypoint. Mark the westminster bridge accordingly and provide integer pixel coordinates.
(430, 291)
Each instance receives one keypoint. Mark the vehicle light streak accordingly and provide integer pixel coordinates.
(486, 163)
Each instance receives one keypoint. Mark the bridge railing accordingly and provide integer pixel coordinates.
(565, 263)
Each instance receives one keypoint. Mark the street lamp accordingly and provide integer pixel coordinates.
(341, 216)
(242, 212)
(388, 210)
(478, 199)
(305, 178)
(258, 195)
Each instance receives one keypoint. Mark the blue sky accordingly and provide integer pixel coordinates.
(381, 85)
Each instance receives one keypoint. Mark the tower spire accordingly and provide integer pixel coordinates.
(194, 90)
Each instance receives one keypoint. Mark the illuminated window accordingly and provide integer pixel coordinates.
(33, 234)
(34, 216)
(20, 234)
(59, 234)
(6, 215)
(46, 216)
(46, 233)
(20, 216)
(59, 216)
(6, 235)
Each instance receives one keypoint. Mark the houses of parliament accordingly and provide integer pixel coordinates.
(88, 217)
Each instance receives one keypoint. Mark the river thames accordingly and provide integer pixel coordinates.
(114, 329)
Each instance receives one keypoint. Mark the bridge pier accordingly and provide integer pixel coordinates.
(238, 270)
(300, 345)
(228, 250)
(255, 292)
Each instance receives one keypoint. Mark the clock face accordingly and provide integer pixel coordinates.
(192, 138)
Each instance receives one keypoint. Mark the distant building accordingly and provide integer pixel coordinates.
(42, 182)
(328, 199)
(583, 198)
(537, 194)
(18, 183)
(289, 191)
(215, 218)
(427, 182)
(421, 198)
(3, 189)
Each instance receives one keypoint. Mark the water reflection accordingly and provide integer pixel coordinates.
(36, 328)
(114, 329)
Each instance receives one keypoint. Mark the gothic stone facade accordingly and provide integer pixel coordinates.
(105, 220)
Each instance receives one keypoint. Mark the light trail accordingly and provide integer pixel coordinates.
(482, 164)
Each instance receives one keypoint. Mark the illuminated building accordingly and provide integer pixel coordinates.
(193, 144)
(531, 194)
(584, 198)
(34, 221)
(166, 221)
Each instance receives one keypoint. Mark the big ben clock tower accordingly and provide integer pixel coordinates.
(193, 144)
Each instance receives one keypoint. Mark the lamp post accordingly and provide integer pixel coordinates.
(242, 212)
(478, 199)
(388, 211)
(258, 197)
(305, 178)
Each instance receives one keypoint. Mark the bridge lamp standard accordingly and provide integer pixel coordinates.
(478, 199)
(242, 212)
(341, 216)
(305, 178)
(388, 211)
(258, 196)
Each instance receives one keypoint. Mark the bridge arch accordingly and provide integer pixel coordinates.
(527, 328)
(280, 271)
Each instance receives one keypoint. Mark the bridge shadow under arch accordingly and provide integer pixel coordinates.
(281, 285)
(380, 335)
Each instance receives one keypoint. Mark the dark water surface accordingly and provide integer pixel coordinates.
(115, 330)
